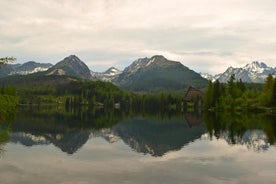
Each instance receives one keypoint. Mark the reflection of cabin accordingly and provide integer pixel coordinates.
(193, 119)
(193, 99)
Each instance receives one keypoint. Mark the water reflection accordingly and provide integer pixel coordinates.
(155, 134)
(157, 137)
(255, 131)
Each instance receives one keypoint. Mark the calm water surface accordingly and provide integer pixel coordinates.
(51, 145)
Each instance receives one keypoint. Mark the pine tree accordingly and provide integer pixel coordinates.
(231, 85)
(267, 89)
(273, 96)
(216, 93)
(208, 97)
(241, 86)
(268, 84)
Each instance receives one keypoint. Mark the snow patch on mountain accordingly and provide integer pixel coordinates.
(25, 68)
(107, 76)
(26, 72)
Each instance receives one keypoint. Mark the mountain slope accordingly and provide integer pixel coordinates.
(24, 69)
(157, 74)
(70, 66)
(255, 72)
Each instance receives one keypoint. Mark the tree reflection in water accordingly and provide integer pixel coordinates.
(256, 131)
(6, 118)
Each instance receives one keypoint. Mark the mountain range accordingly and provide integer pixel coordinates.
(255, 72)
(155, 74)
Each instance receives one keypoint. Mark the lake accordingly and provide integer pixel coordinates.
(56, 145)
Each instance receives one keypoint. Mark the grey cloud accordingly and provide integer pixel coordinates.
(119, 31)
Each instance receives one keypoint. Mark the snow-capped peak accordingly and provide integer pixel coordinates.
(256, 67)
(253, 72)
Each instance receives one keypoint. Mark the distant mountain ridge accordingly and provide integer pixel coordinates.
(24, 69)
(255, 72)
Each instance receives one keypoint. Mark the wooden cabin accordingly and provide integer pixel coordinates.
(193, 99)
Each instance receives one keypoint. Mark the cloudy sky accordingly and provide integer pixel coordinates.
(205, 35)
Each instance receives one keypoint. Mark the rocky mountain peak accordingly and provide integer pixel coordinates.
(72, 59)
(71, 66)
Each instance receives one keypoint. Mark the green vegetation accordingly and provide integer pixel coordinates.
(72, 92)
(8, 103)
(97, 94)
(8, 97)
(238, 96)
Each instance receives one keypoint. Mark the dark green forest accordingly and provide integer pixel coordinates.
(73, 92)
(238, 96)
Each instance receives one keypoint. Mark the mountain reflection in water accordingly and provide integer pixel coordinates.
(145, 133)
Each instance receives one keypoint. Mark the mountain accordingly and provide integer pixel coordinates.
(157, 74)
(70, 66)
(24, 69)
(107, 76)
(255, 72)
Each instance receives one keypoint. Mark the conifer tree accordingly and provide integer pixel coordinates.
(267, 89)
(273, 96)
(208, 97)
(268, 84)
(241, 86)
(231, 85)
(216, 93)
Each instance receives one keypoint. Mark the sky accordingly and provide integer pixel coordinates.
(204, 35)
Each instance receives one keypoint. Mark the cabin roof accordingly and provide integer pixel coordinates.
(193, 92)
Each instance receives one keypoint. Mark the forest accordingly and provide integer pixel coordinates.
(238, 96)
(97, 94)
